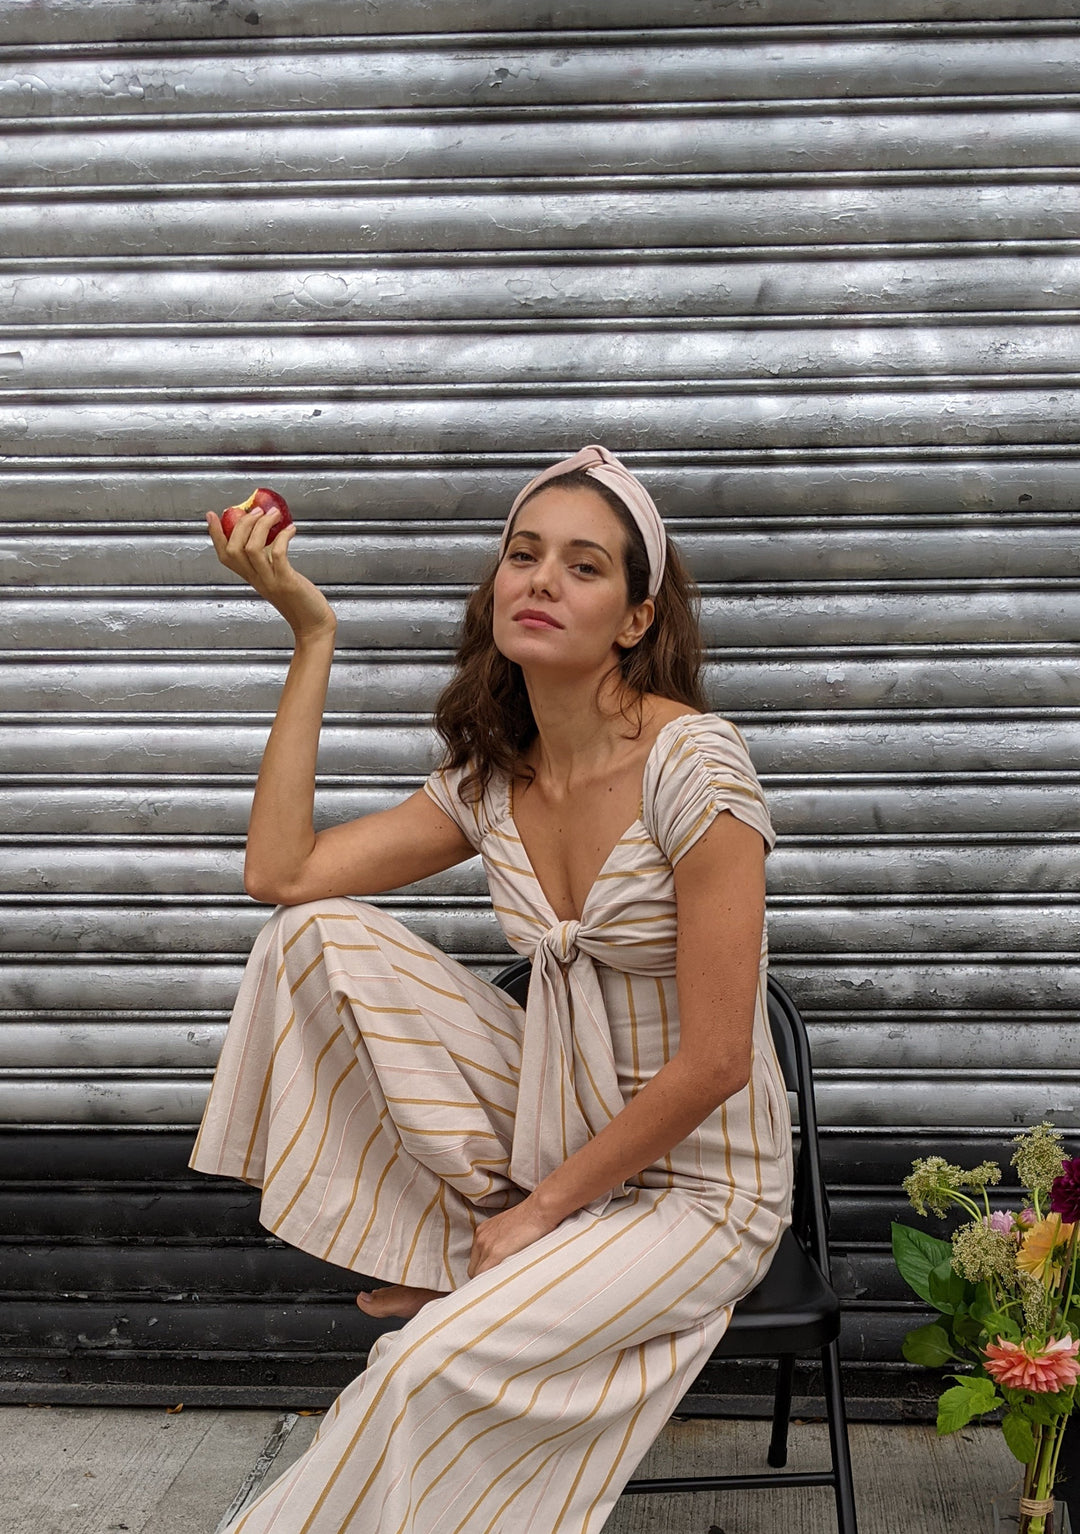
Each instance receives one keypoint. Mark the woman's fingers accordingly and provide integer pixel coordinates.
(240, 551)
(217, 534)
(265, 566)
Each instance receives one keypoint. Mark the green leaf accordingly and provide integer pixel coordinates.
(971, 1397)
(916, 1254)
(948, 1291)
(965, 1328)
(997, 1324)
(929, 1345)
(1019, 1437)
(1046, 1409)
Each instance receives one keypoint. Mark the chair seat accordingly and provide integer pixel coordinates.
(792, 1310)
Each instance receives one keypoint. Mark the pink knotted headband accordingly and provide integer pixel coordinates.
(599, 464)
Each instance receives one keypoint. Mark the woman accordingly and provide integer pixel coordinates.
(566, 1202)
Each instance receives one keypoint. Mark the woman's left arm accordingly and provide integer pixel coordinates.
(720, 901)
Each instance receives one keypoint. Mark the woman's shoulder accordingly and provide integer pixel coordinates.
(685, 733)
(477, 811)
(698, 767)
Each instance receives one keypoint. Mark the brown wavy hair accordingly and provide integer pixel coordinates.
(483, 713)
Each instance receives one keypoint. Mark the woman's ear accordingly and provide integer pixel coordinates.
(639, 621)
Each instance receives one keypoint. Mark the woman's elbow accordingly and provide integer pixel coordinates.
(719, 1080)
(261, 890)
(268, 888)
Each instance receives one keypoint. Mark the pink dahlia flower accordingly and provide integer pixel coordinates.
(1001, 1221)
(1065, 1191)
(1049, 1368)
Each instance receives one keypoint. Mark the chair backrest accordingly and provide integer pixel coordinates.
(810, 1209)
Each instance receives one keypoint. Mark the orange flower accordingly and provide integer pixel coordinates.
(1038, 1246)
(1050, 1368)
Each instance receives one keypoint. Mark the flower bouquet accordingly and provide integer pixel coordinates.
(1008, 1295)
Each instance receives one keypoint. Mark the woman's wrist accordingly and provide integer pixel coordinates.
(318, 635)
(548, 1205)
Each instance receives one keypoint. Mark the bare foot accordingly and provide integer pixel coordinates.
(396, 1300)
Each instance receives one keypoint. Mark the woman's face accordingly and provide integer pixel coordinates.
(560, 598)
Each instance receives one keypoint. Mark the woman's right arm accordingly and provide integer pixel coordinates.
(287, 861)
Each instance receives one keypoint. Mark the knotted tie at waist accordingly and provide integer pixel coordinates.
(569, 1086)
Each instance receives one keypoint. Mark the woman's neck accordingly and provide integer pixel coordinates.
(580, 724)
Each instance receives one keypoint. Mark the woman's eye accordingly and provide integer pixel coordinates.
(586, 568)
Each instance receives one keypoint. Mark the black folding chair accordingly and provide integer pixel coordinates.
(794, 1309)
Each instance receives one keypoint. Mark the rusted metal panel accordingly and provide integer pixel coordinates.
(63, 21)
(277, 295)
(553, 215)
(331, 76)
(104, 363)
(814, 269)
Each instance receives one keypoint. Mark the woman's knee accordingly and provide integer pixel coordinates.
(293, 919)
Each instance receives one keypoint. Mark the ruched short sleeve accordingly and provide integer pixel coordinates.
(473, 819)
(699, 769)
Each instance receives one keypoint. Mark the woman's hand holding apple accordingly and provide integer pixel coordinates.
(246, 541)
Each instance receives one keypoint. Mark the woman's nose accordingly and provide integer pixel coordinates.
(543, 576)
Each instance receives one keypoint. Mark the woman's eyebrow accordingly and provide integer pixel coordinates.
(574, 543)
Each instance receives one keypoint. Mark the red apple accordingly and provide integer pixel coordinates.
(258, 500)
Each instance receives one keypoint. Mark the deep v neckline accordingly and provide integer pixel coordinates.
(620, 839)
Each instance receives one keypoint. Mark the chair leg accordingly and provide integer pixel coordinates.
(838, 1440)
(785, 1377)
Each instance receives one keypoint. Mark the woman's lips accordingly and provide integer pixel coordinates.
(531, 619)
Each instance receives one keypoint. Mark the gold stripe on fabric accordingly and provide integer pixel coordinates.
(376, 1134)
(615, 1370)
(514, 868)
(428, 956)
(369, 1006)
(635, 921)
(450, 1102)
(504, 1033)
(665, 1034)
(536, 1448)
(458, 1059)
(729, 1174)
(618, 1459)
(468, 1134)
(751, 1113)
(318, 962)
(310, 1523)
(634, 873)
(617, 1343)
(635, 1048)
(312, 918)
(488, 1406)
(448, 1229)
(432, 1206)
(538, 1132)
(314, 1159)
(256, 1122)
(505, 910)
(384, 1174)
(334, 1038)
(708, 814)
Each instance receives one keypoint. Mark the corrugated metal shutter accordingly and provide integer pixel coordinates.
(814, 274)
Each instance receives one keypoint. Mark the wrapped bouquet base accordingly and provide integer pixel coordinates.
(1007, 1294)
(1013, 1513)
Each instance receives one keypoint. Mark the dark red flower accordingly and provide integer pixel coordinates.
(1065, 1191)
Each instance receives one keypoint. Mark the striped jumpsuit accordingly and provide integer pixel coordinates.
(386, 1100)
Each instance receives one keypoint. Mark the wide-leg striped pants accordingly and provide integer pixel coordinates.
(368, 1086)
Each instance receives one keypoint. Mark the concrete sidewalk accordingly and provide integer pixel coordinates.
(107, 1470)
